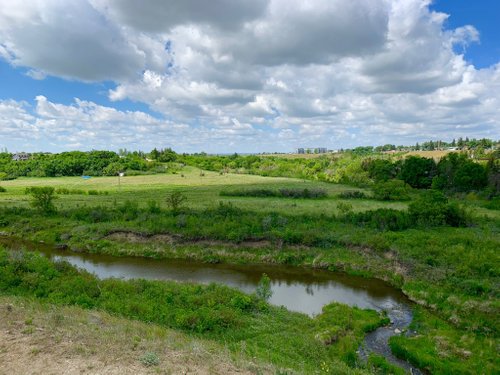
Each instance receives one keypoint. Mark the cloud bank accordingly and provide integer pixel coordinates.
(247, 76)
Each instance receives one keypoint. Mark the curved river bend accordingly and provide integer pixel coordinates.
(298, 289)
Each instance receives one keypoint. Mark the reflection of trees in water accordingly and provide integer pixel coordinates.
(310, 290)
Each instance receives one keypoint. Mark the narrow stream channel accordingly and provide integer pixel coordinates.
(298, 289)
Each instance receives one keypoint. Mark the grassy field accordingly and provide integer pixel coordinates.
(201, 191)
(453, 273)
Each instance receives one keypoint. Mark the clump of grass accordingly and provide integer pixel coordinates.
(307, 193)
(352, 194)
(150, 359)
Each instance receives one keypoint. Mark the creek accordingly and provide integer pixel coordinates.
(298, 289)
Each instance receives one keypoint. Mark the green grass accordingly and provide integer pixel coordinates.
(202, 192)
(453, 272)
(441, 349)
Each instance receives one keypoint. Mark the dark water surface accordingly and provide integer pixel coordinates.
(298, 289)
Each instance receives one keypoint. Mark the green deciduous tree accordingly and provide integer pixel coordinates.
(42, 198)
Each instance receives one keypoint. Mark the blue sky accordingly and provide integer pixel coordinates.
(484, 15)
(244, 76)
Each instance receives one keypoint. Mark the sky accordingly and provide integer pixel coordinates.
(225, 76)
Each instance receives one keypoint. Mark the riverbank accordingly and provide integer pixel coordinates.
(245, 324)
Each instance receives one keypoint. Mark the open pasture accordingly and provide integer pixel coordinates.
(202, 189)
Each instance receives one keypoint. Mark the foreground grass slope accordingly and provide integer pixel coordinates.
(37, 337)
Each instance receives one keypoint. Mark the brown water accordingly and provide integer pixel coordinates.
(298, 289)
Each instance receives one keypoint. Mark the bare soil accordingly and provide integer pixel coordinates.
(134, 237)
(40, 339)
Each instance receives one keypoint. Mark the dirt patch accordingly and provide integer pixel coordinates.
(35, 353)
(135, 237)
(40, 339)
(169, 239)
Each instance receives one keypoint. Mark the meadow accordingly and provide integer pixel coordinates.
(451, 272)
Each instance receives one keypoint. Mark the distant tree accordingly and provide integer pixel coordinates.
(456, 172)
(418, 172)
(380, 169)
(470, 176)
(154, 154)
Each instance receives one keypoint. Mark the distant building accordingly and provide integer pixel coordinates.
(317, 150)
(21, 156)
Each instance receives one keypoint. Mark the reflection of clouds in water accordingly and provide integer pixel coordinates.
(311, 298)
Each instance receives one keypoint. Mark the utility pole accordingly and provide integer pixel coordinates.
(120, 175)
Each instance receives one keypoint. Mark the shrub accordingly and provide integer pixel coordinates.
(418, 172)
(42, 198)
(129, 209)
(302, 193)
(344, 208)
(493, 204)
(175, 201)
(280, 193)
(225, 210)
(150, 359)
(352, 194)
(153, 207)
(2, 189)
(432, 209)
(391, 190)
(380, 169)
(382, 219)
(264, 291)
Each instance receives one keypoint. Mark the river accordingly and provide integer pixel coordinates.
(298, 289)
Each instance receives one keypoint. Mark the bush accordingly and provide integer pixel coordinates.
(382, 219)
(264, 291)
(352, 194)
(418, 172)
(153, 207)
(129, 209)
(42, 198)
(303, 193)
(150, 359)
(280, 193)
(2, 189)
(432, 209)
(344, 208)
(392, 190)
(175, 201)
(380, 169)
(493, 204)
